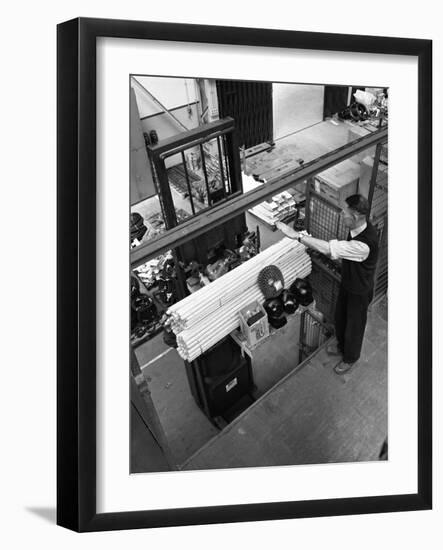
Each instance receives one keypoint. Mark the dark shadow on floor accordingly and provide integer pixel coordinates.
(48, 514)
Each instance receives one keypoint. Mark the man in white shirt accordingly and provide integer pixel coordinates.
(359, 259)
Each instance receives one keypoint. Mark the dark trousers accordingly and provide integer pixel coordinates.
(350, 322)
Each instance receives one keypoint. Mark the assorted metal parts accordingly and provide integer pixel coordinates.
(355, 111)
(144, 313)
(302, 291)
(275, 309)
(290, 302)
(138, 228)
(169, 338)
(220, 260)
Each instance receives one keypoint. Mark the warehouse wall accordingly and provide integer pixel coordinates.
(171, 92)
(142, 182)
(166, 127)
(296, 106)
(179, 95)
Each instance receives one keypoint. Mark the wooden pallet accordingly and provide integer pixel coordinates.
(280, 171)
(260, 148)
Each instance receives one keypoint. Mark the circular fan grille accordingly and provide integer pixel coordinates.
(270, 281)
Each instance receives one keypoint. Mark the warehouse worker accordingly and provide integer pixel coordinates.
(359, 259)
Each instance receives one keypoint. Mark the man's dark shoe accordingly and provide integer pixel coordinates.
(343, 368)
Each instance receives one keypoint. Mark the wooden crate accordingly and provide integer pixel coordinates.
(379, 205)
(338, 182)
(365, 175)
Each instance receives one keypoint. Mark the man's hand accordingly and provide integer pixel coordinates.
(288, 231)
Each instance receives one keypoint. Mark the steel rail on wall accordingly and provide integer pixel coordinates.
(201, 223)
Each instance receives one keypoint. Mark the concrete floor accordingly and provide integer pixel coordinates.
(312, 416)
(301, 416)
(187, 429)
(185, 426)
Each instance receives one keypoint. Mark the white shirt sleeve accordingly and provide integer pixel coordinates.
(356, 251)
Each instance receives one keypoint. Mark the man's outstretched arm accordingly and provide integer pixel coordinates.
(354, 251)
(311, 242)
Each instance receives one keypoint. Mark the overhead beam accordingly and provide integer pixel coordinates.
(199, 224)
(207, 131)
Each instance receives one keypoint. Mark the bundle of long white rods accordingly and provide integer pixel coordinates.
(208, 315)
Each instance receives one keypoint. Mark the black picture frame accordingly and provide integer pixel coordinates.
(76, 279)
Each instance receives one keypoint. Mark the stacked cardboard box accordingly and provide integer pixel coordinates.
(338, 182)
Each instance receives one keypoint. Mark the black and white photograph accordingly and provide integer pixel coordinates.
(221, 328)
(259, 334)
